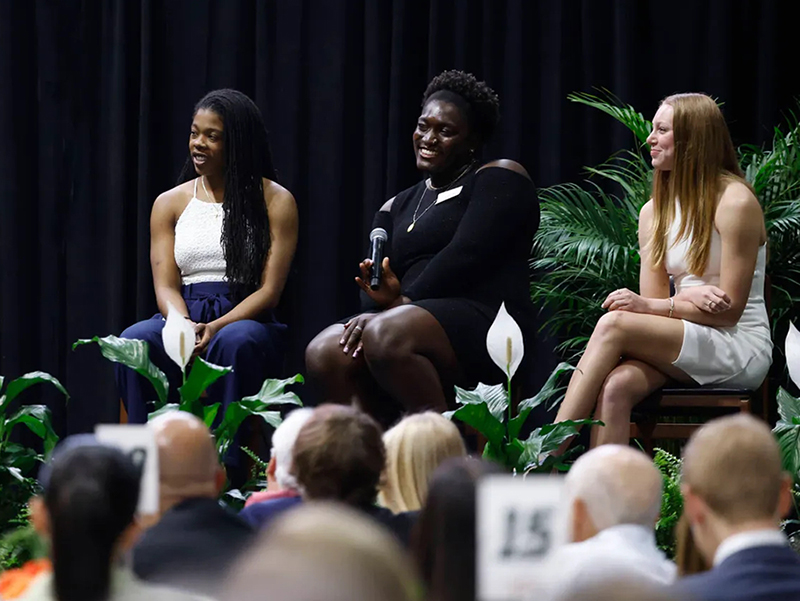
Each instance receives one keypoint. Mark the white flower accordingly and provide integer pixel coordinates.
(793, 353)
(504, 342)
(178, 337)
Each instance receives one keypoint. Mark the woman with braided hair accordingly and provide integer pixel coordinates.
(222, 242)
(458, 247)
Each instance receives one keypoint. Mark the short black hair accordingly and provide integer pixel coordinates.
(483, 101)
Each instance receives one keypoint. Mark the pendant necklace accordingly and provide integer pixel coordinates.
(217, 206)
(429, 186)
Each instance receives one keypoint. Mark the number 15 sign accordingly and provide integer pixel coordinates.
(519, 523)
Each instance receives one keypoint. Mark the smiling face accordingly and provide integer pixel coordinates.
(661, 139)
(442, 140)
(205, 143)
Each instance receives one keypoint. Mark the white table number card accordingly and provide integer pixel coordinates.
(519, 523)
(138, 441)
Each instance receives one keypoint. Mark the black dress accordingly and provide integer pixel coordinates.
(466, 255)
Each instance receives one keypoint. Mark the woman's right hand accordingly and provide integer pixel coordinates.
(351, 337)
(389, 292)
(706, 298)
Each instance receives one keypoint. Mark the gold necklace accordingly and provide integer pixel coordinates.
(429, 186)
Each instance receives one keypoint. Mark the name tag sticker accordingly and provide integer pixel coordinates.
(448, 194)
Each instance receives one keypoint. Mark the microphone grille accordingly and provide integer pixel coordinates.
(378, 232)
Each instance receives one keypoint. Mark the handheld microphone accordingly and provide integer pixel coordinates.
(377, 239)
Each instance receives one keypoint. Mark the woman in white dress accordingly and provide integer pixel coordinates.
(705, 228)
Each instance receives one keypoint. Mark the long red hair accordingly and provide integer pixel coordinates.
(704, 163)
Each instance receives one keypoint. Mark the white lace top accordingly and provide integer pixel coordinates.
(198, 244)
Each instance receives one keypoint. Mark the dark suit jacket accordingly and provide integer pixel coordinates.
(768, 573)
(192, 546)
(260, 515)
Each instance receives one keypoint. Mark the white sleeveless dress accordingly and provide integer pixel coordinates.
(198, 242)
(736, 357)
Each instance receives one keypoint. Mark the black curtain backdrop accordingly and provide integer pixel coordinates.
(96, 100)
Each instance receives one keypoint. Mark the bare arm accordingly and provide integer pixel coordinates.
(653, 281)
(740, 223)
(166, 275)
(283, 225)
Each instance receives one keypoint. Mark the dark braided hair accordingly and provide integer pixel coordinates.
(483, 102)
(245, 226)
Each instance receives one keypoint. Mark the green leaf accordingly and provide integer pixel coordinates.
(545, 440)
(210, 414)
(24, 458)
(35, 377)
(494, 453)
(236, 413)
(549, 389)
(133, 354)
(624, 113)
(272, 392)
(788, 406)
(202, 375)
(788, 437)
(37, 420)
(479, 417)
(515, 424)
(166, 408)
(494, 397)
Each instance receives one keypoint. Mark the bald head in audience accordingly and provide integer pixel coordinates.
(733, 481)
(325, 552)
(187, 459)
(609, 486)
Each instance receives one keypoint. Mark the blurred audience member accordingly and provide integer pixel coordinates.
(415, 447)
(196, 538)
(324, 552)
(735, 494)
(443, 542)
(617, 589)
(281, 484)
(612, 496)
(338, 456)
(88, 515)
(687, 556)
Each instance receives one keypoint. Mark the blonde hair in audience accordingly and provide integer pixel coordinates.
(415, 447)
(705, 160)
(324, 552)
(733, 464)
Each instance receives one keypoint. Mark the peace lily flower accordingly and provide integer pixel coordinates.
(504, 342)
(178, 337)
(793, 353)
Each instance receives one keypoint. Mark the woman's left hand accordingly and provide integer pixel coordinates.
(204, 332)
(389, 291)
(625, 300)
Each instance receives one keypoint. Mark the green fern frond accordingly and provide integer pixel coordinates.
(613, 106)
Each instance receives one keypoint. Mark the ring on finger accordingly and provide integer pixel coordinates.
(359, 328)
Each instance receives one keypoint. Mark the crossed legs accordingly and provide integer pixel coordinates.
(628, 356)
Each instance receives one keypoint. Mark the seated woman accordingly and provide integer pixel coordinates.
(88, 517)
(415, 447)
(705, 228)
(222, 242)
(459, 243)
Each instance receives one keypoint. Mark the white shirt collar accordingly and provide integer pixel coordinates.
(767, 537)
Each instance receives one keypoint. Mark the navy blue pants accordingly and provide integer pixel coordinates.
(253, 348)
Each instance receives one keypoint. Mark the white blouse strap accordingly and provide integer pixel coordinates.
(195, 188)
